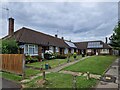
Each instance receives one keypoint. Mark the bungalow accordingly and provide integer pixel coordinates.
(34, 43)
(72, 47)
(94, 47)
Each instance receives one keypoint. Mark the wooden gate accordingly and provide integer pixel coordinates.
(13, 63)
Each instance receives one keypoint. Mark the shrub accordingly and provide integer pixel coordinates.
(30, 59)
(74, 55)
(61, 56)
(39, 58)
(49, 55)
(9, 46)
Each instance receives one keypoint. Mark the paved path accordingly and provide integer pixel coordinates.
(80, 74)
(7, 84)
(113, 71)
(65, 65)
(57, 69)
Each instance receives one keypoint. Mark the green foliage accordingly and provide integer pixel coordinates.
(69, 55)
(59, 80)
(75, 55)
(115, 38)
(99, 64)
(11, 76)
(8, 46)
(31, 59)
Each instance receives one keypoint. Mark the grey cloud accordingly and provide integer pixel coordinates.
(84, 21)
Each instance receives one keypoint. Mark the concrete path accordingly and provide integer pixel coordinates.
(52, 70)
(7, 84)
(80, 74)
(65, 65)
(112, 71)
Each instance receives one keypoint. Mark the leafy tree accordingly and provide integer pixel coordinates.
(8, 46)
(115, 38)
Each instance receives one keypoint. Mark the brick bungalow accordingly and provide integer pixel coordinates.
(34, 43)
(94, 47)
(72, 47)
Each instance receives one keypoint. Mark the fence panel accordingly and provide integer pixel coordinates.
(13, 63)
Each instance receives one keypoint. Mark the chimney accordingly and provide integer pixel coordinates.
(62, 38)
(56, 35)
(106, 40)
(11, 26)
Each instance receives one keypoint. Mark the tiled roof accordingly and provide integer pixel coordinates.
(84, 45)
(26, 35)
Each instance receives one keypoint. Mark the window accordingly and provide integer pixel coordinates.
(89, 50)
(105, 51)
(94, 45)
(31, 49)
(56, 49)
(66, 51)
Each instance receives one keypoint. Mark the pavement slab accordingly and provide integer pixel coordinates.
(113, 72)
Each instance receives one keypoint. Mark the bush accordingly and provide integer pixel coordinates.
(9, 46)
(30, 59)
(39, 58)
(74, 55)
(49, 55)
(61, 56)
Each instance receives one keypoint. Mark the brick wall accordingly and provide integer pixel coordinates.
(39, 50)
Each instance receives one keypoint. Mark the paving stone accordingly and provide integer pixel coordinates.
(113, 72)
(25, 81)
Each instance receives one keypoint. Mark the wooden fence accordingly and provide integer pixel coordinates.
(13, 63)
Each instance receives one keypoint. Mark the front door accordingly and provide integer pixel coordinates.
(94, 51)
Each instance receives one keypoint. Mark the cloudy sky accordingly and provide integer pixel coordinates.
(76, 21)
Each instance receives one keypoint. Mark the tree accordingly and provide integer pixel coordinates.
(115, 38)
(8, 46)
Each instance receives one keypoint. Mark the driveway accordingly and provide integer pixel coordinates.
(9, 84)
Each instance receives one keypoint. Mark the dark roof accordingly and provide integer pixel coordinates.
(26, 35)
(83, 45)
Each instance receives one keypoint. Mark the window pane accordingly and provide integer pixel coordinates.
(31, 51)
(36, 49)
(26, 49)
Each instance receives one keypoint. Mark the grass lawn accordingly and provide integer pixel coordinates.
(11, 76)
(31, 72)
(94, 64)
(59, 80)
(17, 78)
(53, 63)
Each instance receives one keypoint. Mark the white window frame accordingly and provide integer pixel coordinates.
(106, 51)
(56, 49)
(35, 49)
(66, 51)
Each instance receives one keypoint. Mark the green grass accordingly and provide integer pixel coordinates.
(53, 63)
(31, 72)
(59, 80)
(94, 64)
(11, 76)
(14, 77)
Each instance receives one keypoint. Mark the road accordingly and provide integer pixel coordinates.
(10, 84)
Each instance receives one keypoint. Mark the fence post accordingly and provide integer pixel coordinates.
(43, 75)
(23, 75)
